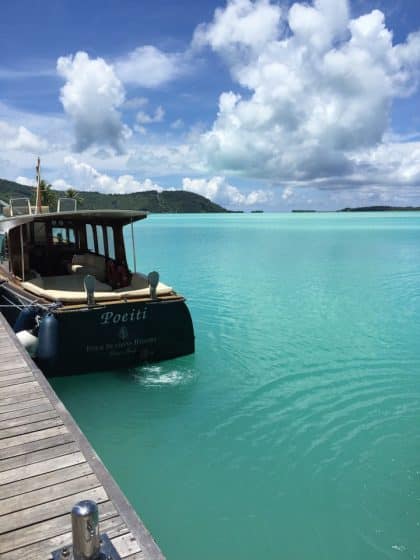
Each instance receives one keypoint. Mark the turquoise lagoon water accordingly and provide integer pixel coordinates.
(294, 431)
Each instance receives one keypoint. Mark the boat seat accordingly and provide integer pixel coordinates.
(89, 263)
(70, 289)
(139, 286)
(63, 288)
(68, 283)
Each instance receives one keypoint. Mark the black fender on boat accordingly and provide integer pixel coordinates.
(48, 342)
(26, 319)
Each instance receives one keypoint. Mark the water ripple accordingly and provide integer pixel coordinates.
(162, 376)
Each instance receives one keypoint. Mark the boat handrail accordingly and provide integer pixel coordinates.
(20, 207)
(66, 204)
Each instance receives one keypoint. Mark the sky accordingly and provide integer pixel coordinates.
(253, 104)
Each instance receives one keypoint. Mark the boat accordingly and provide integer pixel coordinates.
(67, 290)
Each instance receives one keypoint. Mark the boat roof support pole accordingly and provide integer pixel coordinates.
(38, 202)
(134, 246)
(22, 254)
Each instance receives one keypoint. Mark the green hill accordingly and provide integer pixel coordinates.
(152, 201)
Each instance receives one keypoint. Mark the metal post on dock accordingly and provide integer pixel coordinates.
(87, 543)
(85, 530)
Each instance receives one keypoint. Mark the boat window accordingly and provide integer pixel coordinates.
(2, 247)
(62, 235)
(90, 238)
(111, 244)
(100, 238)
(39, 233)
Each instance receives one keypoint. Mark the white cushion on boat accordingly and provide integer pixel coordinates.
(70, 289)
(139, 286)
(131, 292)
(63, 288)
(78, 269)
(67, 283)
(88, 263)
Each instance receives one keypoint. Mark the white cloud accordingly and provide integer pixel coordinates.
(61, 185)
(165, 159)
(25, 181)
(135, 102)
(389, 164)
(84, 177)
(320, 85)
(27, 73)
(287, 193)
(150, 67)
(145, 118)
(91, 97)
(176, 125)
(242, 24)
(219, 190)
(19, 138)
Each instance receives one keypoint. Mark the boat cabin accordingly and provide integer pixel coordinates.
(49, 254)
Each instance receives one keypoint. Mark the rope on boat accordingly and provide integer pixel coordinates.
(49, 307)
(36, 302)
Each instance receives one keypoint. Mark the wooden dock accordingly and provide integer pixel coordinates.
(47, 465)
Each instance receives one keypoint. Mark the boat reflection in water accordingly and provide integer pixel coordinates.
(66, 289)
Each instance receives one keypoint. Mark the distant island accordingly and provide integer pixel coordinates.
(364, 209)
(150, 201)
(382, 209)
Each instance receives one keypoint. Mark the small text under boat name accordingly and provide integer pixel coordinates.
(120, 345)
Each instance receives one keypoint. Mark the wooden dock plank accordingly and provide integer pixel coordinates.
(21, 420)
(42, 467)
(53, 508)
(37, 456)
(25, 377)
(30, 427)
(31, 446)
(23, 397)
(113, 526)
(47, 465)
(44, 480)
(126, 545)
(25, 405)
(15, 374)
(33, 436)
(20, 413)
(14, 363)
(14, 370)
(19, 389)
(45, 529)
(36, 497)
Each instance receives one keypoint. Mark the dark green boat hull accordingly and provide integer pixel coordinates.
(109, 337)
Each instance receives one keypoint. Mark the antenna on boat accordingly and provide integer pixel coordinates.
(134, 245)
(38, 203)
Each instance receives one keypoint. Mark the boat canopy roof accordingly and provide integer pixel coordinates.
(121, 217)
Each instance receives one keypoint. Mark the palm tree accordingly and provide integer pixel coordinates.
(71, 193)
(48, 196)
